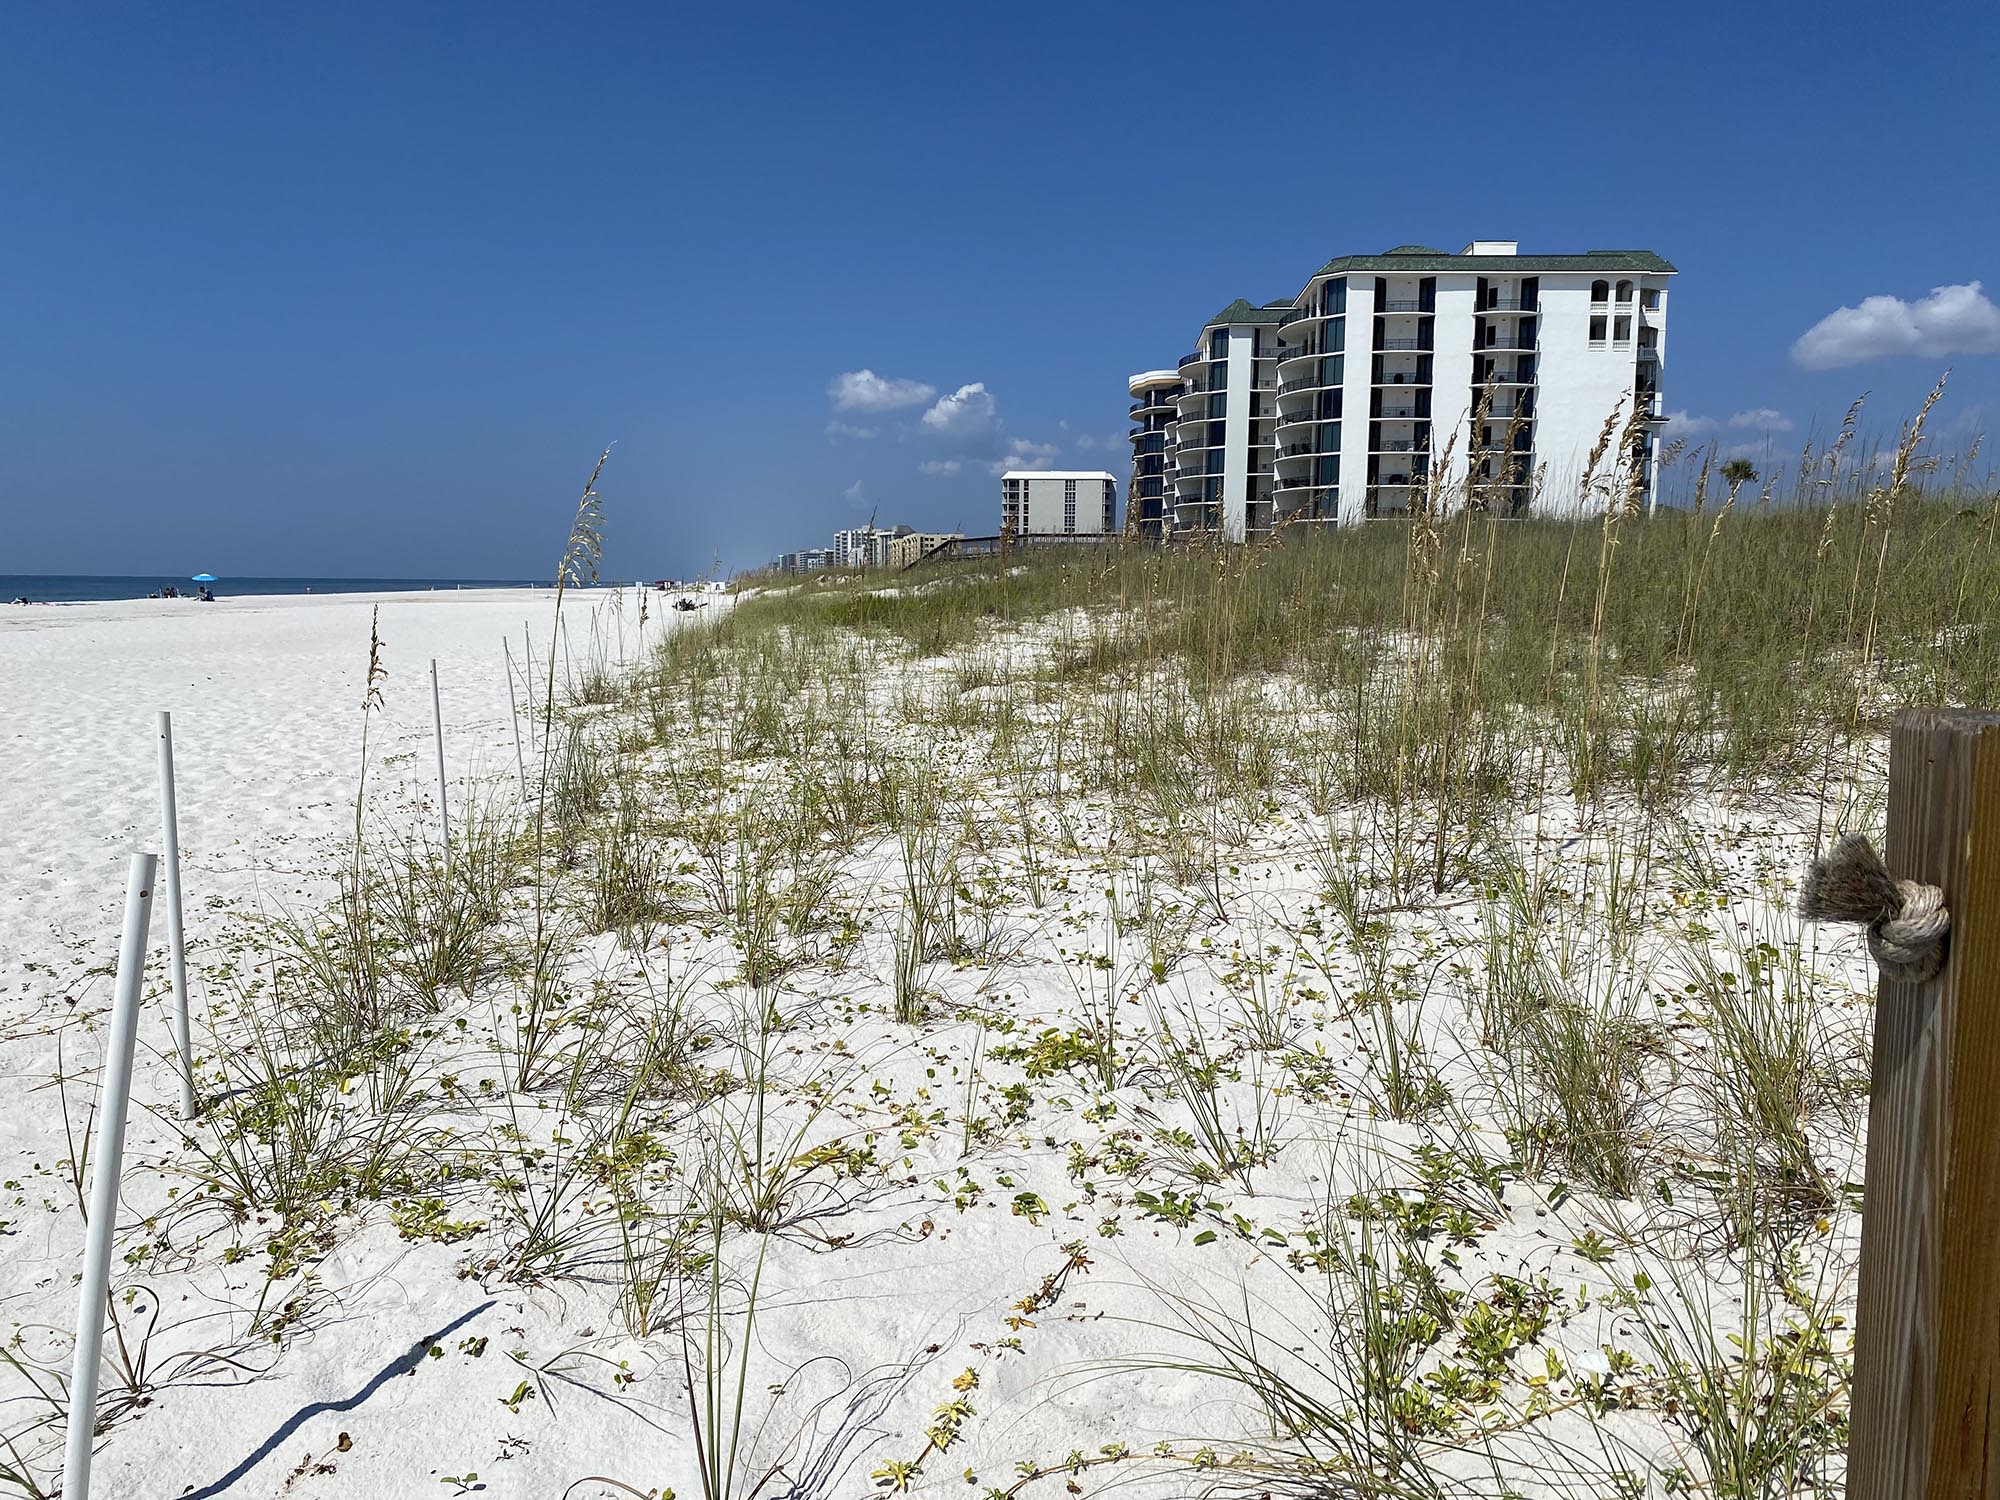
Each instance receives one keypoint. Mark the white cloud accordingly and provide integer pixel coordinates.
(967, 412)
(853, 491)
(1762, 419)
(940, 466)
(848, 429)
(1682, 424)
(864, 390)
(1951, 320)
(1023, 454)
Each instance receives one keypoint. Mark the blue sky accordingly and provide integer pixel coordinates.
(363, 289)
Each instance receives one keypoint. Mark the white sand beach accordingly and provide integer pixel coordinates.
(988, 1204)
(265, 694)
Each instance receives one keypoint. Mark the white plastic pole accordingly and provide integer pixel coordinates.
(170, 855)
(534, 724)
(107, 1158)
(514, 718)
(437, 733)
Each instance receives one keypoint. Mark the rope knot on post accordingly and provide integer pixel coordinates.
(1906, 920)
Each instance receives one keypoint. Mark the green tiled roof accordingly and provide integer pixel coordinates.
(1421, 258)
(1240, 311)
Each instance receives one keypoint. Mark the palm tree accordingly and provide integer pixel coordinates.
(1739, 472)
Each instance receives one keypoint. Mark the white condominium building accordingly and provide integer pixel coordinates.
(1489, 372)
(1149, 497)
(1223, 437)
(1053, 502)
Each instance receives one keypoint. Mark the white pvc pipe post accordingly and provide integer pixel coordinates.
(534, 724)
(437, 733)
(106, 1160)
(514, 718)
(170, 854)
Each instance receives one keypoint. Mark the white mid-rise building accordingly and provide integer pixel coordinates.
(1223, 438)
(1149, 496)
(1058, 502)
(1485, 377)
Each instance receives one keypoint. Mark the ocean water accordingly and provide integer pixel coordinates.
(60, 588)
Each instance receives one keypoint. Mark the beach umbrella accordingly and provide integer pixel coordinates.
(204, 578)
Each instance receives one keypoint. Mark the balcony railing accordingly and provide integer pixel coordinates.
(1300, 314)
(1410, 447)
(1405, 306)
(1504, 345)
(1506, 304)
(1300, 351)
(1407, 345)
(1305, 383)
(1397, 413)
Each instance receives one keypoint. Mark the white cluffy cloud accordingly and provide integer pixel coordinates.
(1951, 320)
(1761, 419)
(943, 466)
(848, 429)
(864, 390)
(1024, 454)
(967, 412)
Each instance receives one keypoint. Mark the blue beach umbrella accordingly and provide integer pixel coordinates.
(204, 578)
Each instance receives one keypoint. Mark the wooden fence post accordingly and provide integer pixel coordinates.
(1926, 1400)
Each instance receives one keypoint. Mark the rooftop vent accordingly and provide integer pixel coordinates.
(1492, 247)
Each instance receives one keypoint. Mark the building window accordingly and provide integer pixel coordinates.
(1621, 329)
(1650, 299)
(1069, 505)
(1624, 291)
(1597, 331)
(1600, 291)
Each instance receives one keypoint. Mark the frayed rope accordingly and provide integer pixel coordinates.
(1906, 920)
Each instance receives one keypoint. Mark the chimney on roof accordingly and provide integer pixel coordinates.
(1492, 247)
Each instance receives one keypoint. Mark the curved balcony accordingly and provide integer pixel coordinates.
(1305, 450)
(1307, 316)
(1308, 383)
(1312, 350)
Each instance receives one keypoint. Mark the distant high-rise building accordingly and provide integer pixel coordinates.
(1052, 502)
(865, 546)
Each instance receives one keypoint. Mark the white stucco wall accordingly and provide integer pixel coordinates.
(1242, 369)
(1577, 388)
